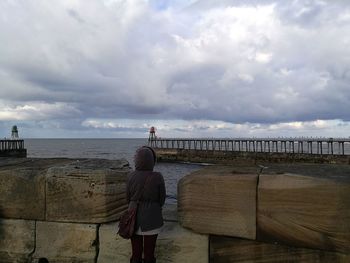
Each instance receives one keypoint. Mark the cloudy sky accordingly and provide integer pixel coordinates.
(198, 68)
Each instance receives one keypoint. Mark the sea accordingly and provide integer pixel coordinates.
(108, 149)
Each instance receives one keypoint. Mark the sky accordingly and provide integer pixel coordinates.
(206, 68)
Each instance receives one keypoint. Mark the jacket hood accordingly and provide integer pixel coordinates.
(145, 159)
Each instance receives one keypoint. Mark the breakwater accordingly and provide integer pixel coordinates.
(12, 148)
(61, 210)
(66, 210)
(274, 216)
(271, 150)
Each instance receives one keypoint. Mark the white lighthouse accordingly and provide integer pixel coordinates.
(14, 133)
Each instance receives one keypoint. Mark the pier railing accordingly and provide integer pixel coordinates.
(9, 145)
(322, 146)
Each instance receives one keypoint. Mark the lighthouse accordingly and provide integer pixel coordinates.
(14, 133)
(152, 136)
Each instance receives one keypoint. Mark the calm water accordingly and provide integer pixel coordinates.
(107, 149)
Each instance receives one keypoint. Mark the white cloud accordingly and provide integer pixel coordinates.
(263, 57)
(37, 111)
(258, 62)
(205, 128)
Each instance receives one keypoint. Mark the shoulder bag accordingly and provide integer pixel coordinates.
(128, 218)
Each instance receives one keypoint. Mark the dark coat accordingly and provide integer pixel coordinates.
(149, 212)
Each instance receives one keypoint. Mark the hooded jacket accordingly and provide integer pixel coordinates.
(148, 188)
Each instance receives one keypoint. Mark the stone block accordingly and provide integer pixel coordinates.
(225, 250)
(22, 194)
(217, 201)
(22, 187)
(89, 191)
(17, 240)
(66, 242)
(175, 244)
(113, 248)
(305, 211)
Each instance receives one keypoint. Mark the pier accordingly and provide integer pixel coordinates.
(297, 149)
(12, 148)
(339, 146)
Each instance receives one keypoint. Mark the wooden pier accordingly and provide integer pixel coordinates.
(329, 146)
(314, 150)
(12, 148)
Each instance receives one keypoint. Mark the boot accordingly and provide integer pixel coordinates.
(135, 261)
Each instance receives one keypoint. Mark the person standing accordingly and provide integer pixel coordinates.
(146, 190)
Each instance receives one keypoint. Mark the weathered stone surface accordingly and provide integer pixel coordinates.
(16, 240)
(232, 157)
(217, 201)
(22, 187)
(113, 248)
(66, 242)
(305, 211)
(225, 250)
(90, 191)
(175, 244)
(5, 162)
(22, 194)
(5, 258)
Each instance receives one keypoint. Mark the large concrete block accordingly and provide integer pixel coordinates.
(226, 250)
(66, 242)
(16, 240)
(175, 244)
(305, 211)
(90, 191)
(219, 202)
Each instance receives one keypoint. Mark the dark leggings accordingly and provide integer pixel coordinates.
(145, 243)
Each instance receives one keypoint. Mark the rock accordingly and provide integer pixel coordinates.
(225, 249)
(66, 242)
(175, 244)
(217, 201)
(305, 211)
(22, 187)
(17, 240)
(89, 191)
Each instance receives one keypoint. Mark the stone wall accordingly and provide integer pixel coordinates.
(13, 153)
(270, 217)
(174, 244)
(232, 157)
(64, 211)
(52, 208)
